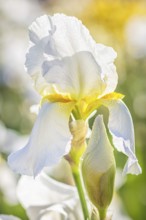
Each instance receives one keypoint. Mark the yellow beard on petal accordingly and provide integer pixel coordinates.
(58, 98)
(113, 96)
(82, 107)
(55, 96)
(93, 103)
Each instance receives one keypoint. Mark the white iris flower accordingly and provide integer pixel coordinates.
(45, 198)
(74, 76)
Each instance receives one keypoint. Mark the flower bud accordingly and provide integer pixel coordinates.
(98, 168)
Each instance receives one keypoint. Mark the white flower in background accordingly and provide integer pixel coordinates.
(20, 12)
(15, 16)
(10, 140)
(116, 208)
(135, 33)
(74, 76)
(8, 217)
(117, 211)
(8, 183)
(45, 198)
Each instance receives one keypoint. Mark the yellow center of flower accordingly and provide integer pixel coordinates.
(82, 107)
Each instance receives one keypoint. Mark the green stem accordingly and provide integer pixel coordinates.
(102, 214)
(78, 182)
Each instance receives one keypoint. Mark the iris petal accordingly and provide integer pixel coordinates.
(105, 56)
(45, 197)
(43, 148)
(73, 37)
(79, 74)
(121, 128)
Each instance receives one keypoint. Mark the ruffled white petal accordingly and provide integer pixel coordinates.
(73, 35)
(59, 36)
(49, 140)
(105, 56)
(109, 74)
(41, 43)
(68, 36)
(55, 37)
(34, 59)
(40, 84)
(121, 128)
(79, 74)
(41, 29)
(45, 198)
(76, 38)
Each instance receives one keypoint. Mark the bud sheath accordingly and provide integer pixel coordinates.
(98, 168)
(78, 129)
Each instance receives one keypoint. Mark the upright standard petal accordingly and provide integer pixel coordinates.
(34, 59)
(78, 74)
(121, 128)
(110, 77)
(41, 44)
(107, 54)
(73, 35)
(45, 43)
(76, 38)
(105, 57)
(49, 140)
(58, 36)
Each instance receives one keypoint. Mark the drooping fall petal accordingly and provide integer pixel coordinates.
(49, 140)
(121, 128)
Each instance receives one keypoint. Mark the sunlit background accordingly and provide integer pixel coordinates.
(117, 23)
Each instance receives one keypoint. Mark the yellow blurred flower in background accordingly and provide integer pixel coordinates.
(112, 15)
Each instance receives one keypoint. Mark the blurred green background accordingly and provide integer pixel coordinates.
(120, 24)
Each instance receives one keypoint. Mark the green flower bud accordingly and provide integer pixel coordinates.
(98, 168)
